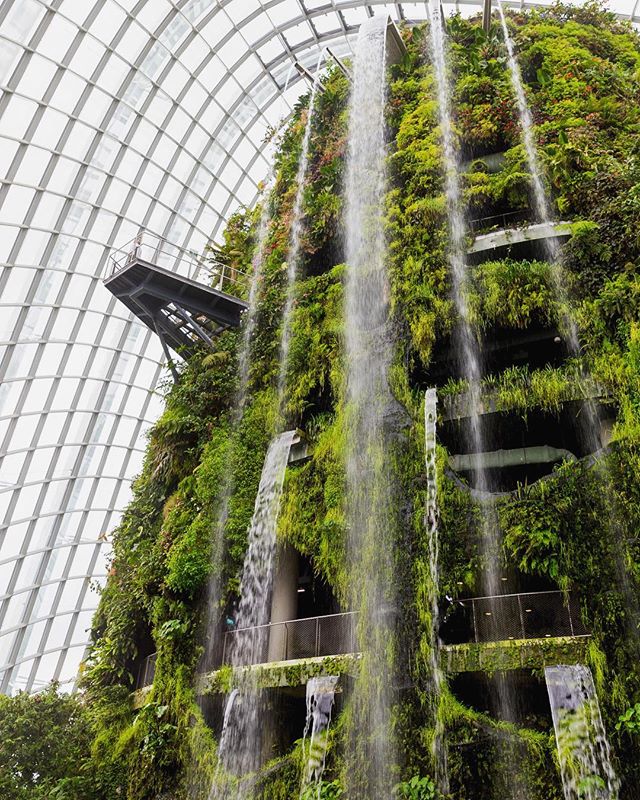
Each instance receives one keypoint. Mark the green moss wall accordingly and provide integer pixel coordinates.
(582, 70)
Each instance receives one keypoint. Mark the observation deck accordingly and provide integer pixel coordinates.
(507, 632)
(507, 234)
(174, 292)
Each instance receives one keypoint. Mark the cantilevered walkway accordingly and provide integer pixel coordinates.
(505, 632)
(175, 293)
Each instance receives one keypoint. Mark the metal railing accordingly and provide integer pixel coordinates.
(498, 221)
(331, 635)
(147, 671)
(533, 615)
(159, 252)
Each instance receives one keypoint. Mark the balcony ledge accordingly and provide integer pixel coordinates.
(514, 654)
(529, 233)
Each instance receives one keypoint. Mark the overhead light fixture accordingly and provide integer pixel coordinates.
(487, 613)
(301, 590)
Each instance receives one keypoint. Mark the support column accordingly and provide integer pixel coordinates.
(486, 15)
(284, 601)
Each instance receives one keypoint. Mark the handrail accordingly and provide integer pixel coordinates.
(514, 594)
(523, 615)
(502, 220)
(307, 637)
(157, 250)
(289, 621)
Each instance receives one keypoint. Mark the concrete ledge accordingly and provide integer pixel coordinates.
(461, 406)
(529, 233)
(277, 674)
(454, 658)
(516, 654)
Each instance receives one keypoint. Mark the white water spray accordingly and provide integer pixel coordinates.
(240, 751)
(431, 523)
(212, 631)
(589, 422)
(467, 347)
(295, 240)
(320, 698)
(583, 749)
(370, 506)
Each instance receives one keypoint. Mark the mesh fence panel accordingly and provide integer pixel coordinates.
(525, 616)
(301, 635)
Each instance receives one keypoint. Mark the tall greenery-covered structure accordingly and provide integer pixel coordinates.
(582, 71)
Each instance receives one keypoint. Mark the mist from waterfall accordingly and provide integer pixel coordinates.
(589, 422)
(315, 739)
(211, 628)
(295, 241)
(439, 748)
(370, 513)
(584, 753)
(467, 348)
(241, 749)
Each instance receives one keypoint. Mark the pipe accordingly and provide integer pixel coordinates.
(542, 454)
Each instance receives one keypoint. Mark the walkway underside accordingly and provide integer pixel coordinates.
(455, 658)
(180, 310)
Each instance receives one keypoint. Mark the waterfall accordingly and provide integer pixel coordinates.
(228, 710)
(369, 498)
(583, 749)
(212, 637)
(249, 322)
(540, 199)
(240, 751)
(467, 349)
(431, 523)
(589, 422)
(468, 353)
(295, 240)
(320, 697)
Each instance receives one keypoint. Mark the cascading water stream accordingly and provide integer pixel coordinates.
(589, 422)
(583, 749)
(295, 240)
(540, 199)
(431, 524)
(369, 499)
(240, 749)
(212, 630)
(467, 349)
(320, 699)
(241, 753)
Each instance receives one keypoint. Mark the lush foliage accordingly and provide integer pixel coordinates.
(575, 529)
(45, 748)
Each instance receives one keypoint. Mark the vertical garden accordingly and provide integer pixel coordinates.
(571, 525)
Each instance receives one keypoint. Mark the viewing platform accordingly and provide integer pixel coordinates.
(462, 405)
(174, 293)
(510, 236)
(503, 632)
